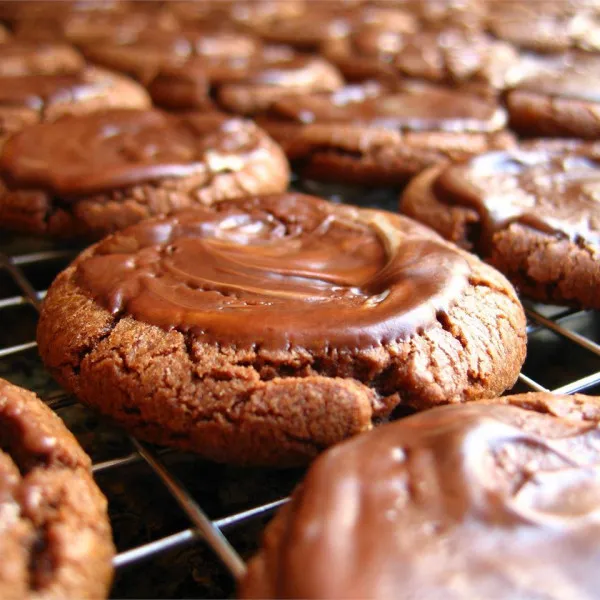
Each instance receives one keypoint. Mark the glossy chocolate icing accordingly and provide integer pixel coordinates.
(95, 152)
(36, 91)
(425, 109)
(573, 75)
(19, 58)
(276, 272)
(461, 502)
(554, 192)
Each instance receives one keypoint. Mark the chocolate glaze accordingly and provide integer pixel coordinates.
(461, 502)
(418, 109)
(276, 272)
(573, 75)
(115, 148)
(18, 58)
(36, 91)
(553, 192)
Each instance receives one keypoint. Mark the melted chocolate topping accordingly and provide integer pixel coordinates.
(36, 91)
(471, 501)
(106, 150)
(429, 109)
(278, 271)
(18, 58)
(575, 76)
(555, 193)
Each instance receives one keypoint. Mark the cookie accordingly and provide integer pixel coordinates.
(95, 26)
(473, 501)
(547, 26)
(185, 72)
(29, 99)
(247, 14)
(532, 212)
(87, 175)
(19, 58)
(262, 330)
(457, 57)
(56, 539)
(363, 135)
(559, 96)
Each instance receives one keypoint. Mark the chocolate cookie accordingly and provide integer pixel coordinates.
(81, 27)
(186, 71)
(56, 539)
(91, 174)
(457, 57)
(547, 25)
(18, 58)
(560, 96)
(363, 135)
(461, 502)
(532, 213)
(29, 99)
(265, 329)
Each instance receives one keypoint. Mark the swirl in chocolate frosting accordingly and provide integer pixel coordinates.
(278, 271)
(553, 192)
(115, 148)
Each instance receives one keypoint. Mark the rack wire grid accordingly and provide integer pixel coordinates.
(176, 519)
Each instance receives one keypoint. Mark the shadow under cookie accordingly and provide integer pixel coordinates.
(262, 330)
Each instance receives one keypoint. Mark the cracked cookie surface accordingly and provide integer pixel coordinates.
(56, 540)
(495, 499)
(265, 329)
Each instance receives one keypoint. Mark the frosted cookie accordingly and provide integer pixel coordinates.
(90, 174)
(532, 212)
(365, 135)
(474, 501)
(262, 330)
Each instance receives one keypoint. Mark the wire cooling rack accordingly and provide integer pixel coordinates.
(564, 356)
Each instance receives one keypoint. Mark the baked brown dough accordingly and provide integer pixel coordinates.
(263, 330)
(491, 500)
(88, 175)
(56, 540)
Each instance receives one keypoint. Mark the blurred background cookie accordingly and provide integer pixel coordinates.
(87, 175)
(533, 212)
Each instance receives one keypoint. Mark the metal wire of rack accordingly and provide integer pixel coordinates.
(557, 337)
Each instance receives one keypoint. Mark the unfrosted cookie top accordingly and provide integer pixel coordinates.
(278, 271)
(473, 501)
